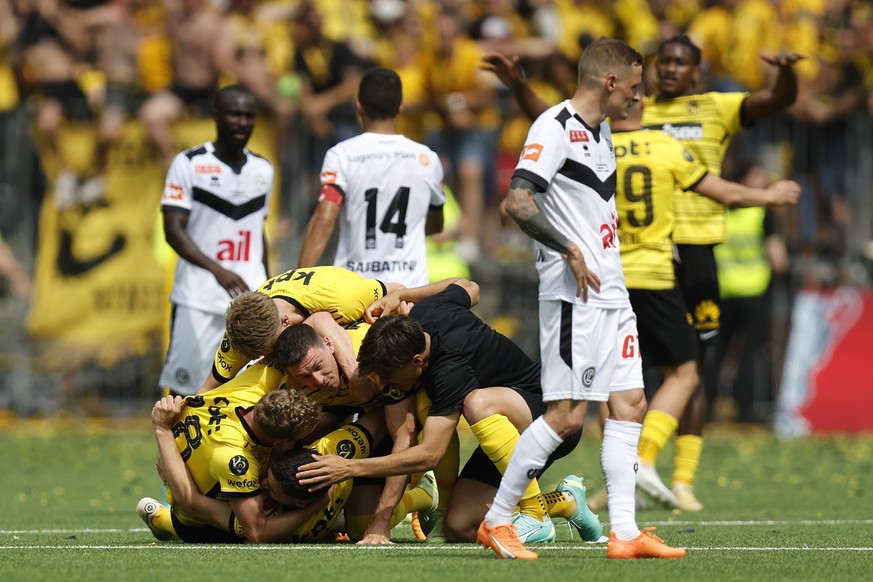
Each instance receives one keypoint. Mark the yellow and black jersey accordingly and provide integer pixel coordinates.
(351, 441)
(652, 166)
(704, 124)
(222, 454)
(342, 396)
(340, 292)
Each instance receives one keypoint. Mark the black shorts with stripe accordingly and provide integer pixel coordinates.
(697, 278)
(480, 468)
(666, 335)
(205, 534)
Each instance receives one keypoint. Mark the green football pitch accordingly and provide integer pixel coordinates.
(775, 510)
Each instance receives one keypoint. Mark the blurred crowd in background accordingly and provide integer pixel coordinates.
(98, 65)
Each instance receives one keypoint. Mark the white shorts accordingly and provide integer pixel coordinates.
(194, 339)
(588, 352)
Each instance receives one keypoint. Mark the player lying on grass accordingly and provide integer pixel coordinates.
(289, 513)
(465, 367)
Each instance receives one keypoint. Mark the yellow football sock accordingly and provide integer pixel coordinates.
(446, 472)
(497, 437)
(163, 521)
(688, 450)
(658, 427)
(560, 504)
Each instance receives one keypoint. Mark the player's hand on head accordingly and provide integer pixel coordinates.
(323, 471)
(231, 282)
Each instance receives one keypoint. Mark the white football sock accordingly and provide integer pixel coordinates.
(618, 458)
(531, 452)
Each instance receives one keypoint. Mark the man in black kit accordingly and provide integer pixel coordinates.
(443, 352)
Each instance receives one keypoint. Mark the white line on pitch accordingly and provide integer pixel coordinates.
(736, 523)
(402, 547)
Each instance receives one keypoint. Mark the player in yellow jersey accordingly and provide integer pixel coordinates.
(256, 318)
(225, 437)
(652, 168)
(704, 123)
(316, 512)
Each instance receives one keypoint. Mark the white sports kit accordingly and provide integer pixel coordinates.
(387, 184)
(226, 220)
(588, 349)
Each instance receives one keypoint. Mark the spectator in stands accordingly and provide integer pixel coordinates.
(201, 54)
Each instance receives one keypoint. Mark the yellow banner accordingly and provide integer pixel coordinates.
(101, 276)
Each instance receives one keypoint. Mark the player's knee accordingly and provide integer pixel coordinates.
(687, 374)
(458, 529)
(628, 405)
(478, 405)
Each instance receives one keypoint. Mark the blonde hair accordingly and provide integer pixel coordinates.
(286, 414)
(252, 323)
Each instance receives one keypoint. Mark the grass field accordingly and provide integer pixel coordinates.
(798, 510)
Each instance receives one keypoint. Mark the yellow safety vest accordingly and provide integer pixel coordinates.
(743, 267)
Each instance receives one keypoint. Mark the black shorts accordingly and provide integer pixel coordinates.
(480, 468)
(663, 322)
(205, 534)
(198, 101)
(697, 278)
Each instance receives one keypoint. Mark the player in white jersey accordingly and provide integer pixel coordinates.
(563, 195)
(386, 190)
(215, 201)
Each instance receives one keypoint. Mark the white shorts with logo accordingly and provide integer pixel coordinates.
(588, 352)
(194, 339)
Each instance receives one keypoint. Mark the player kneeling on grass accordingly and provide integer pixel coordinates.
(287, 512)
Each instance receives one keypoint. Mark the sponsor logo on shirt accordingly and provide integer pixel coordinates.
(173, 192)
(328, 177)
(423, 159)
(682, 131)
(578, 135)
(238, 249)
(532, 152)
(207, 168)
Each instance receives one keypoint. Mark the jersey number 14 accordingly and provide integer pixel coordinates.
(397, 208)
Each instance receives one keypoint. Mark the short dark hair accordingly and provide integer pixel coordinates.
(607, 55)
(293, 344)
(225, 92)
(390, 344)
(684, 40)
(285, 467)
(380, 93)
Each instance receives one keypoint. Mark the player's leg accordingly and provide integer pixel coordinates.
(697, 276)
(668, 341)
(194, 339)
(566, 357)
(621, 435)
(496, 416)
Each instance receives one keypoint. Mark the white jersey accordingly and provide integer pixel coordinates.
(226, 221)
(388, 184)
(573, 167)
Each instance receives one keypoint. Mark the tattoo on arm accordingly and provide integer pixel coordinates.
(531, 219)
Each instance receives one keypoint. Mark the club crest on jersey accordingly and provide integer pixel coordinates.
(238, 465)
(578, 135)
(532, 152)
(693, 108)
(260, 182)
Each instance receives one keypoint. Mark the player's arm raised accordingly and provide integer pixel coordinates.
(780, 95)
(521, 205)
(783, 192)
